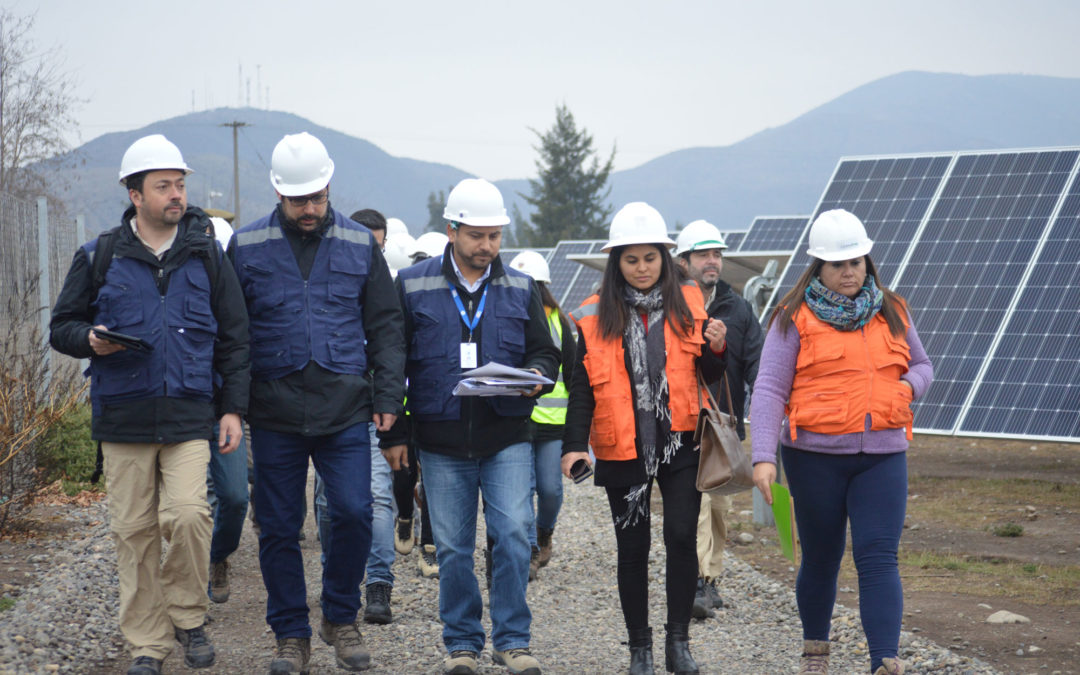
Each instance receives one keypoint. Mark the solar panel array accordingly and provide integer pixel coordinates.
(985, 247)
(733, 239)
(771, 233)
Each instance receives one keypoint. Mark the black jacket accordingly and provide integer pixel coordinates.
(162, 419)
(744, 340)
(480, 432)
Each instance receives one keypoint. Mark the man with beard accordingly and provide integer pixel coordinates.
(323, 314)
(158, 277)
(700, 254)
(463, 309)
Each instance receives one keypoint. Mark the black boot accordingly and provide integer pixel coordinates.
(677, 650)
(641, 660)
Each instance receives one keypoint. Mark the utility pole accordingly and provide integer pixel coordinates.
(235, 166)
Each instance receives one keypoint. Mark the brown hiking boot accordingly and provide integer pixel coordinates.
(518, 661)
(348, 644)
(543, 541)
(292, 657)
(219, 581)
(815, 658)
(460, 662)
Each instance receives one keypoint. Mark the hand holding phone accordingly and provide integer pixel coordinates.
(581, 470)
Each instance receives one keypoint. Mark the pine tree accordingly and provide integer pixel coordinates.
(570, 195)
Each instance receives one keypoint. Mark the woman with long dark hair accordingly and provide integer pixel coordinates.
(634, 397)
(842, 363)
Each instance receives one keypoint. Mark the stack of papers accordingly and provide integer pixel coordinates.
(495, 379)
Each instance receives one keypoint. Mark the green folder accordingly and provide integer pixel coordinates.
(784, 514)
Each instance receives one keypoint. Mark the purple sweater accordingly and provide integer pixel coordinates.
(776, 371)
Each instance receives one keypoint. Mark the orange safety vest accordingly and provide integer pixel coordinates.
(843, 376)
(613, 427)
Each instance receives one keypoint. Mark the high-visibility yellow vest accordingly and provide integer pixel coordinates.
(551, 408)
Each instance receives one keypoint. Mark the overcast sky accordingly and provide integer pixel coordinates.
(463, 82)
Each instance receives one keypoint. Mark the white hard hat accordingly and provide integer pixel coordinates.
(533, 264)
(395, 226)
(637, 223)
(397, 251)
(223, 231)
(430, 244)
(474, 201)
(300, 165)
(838, 235)
(151, 153)
(699, 235)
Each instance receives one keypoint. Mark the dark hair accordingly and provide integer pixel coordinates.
(135, 181)
(370, 218)
(614, 312)
(891, 303)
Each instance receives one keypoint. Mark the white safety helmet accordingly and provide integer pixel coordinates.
(151, 153)
(474, 201)
(700, 235)
(398, 249)
(223, 231)
(431, 244)
(838, 235)
(395, 226)
(300, 165)
(533, 264)
(637, 223)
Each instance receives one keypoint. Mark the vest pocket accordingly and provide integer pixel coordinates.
(119, 307)
(427, 339)
(261, 289)
(119, 374)
(603, 430)
(197, 377)
(273, 347)
(344, 349)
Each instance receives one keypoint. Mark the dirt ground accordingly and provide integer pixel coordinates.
(960, 491)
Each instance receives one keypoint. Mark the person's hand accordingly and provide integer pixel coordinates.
(570, 458)
(102, 347)
(536, 389)
(232, 430)
(397, 456)
(383, 421)
(908, 386)
(764, 476)
(716, 334)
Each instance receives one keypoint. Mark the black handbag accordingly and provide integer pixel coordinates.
(724, 467)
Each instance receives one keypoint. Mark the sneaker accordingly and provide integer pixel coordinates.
(429, 564)
(534, 564)
(404, 537)
(518, 661)
(348, 644)
(543, 541)
(714, 595)
(145, 665)
(378, 603)
(460, 662)
(815, 658)
(198, 652)
(702, 608)
(292, 657)
(219, 581)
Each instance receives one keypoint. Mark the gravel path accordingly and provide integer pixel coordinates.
(66, 622)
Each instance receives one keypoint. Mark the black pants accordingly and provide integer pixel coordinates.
(681, 503)
(404, 482)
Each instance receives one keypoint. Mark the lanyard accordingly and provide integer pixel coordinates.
(461, 309)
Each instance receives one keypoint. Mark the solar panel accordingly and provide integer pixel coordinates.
(773, 233)
(733, 239)
(584, 283)
(563, 271)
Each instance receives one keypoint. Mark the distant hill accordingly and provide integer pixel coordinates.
(777, 171)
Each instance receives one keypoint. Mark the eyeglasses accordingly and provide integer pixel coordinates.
(316, 199)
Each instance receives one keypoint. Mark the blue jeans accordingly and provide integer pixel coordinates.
(453, 487)
(227, 492)
(382, 523)
(547, 484)
(281, 464)
(871, 492)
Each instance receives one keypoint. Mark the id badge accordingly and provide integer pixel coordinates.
(468, 355)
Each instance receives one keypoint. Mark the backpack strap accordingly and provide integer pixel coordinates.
(102, 258)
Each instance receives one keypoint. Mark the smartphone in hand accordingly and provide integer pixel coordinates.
(580, 470)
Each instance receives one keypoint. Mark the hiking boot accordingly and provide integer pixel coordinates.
(519, 661)
(378, 603)
(702, 608)
(641, 654)
(198, 652)
(534, 564)
(219, 581)
(543, 541)
(890, 666)
(292, 657)
(404, 537)
(677, 656)
(145, 665)
(714, 595)
(348, 644)
(429, 564)
(460, 662)
(815, 658)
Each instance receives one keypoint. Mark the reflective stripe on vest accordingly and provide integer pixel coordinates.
(551, 408)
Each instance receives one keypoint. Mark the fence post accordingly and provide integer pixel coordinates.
(80, 234)
(44, 284)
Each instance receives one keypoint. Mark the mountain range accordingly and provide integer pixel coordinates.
(778, 171)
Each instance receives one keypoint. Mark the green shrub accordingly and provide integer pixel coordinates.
(6, 604)
(65, 451)
(1008, 530)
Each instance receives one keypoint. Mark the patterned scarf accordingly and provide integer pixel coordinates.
(652, 413)
(841, 311)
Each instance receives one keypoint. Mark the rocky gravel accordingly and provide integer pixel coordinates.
(64, 618)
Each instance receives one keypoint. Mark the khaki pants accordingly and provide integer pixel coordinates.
(158, 491)
(711, 534)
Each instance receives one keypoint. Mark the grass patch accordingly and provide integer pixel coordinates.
(1008, 530)
(1039, 584)
(6, 604)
